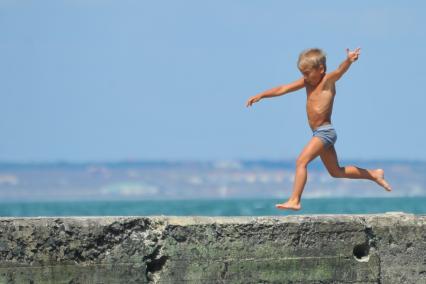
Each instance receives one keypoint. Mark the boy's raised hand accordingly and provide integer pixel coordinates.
(353, 55)
(253, 100)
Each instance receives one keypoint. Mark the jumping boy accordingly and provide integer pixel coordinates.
(320, 89)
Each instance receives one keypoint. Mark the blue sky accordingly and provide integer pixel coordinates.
(168, 80)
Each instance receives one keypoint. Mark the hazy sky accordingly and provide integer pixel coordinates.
(122, 80)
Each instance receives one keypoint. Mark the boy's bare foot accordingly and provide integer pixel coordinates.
(379, 178)
(289, 205)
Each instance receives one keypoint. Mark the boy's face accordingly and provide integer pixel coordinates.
(312, 75)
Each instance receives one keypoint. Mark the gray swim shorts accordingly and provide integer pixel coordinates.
(327, 134)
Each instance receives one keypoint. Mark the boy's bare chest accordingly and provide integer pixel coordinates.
(319, 104)
(320, 95)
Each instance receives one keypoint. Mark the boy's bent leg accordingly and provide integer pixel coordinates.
(329, 158)
(312, 150)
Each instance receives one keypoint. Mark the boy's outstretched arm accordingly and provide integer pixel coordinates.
(278, 91)
(352, 56)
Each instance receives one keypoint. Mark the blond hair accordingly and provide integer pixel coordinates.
(312, 57)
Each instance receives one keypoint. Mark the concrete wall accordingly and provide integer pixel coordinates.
(386, 248)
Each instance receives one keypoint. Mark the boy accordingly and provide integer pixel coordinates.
(320, 89)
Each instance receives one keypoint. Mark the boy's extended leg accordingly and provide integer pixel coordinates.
(329, 158)
(310, 152)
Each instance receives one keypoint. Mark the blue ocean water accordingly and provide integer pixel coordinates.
(235, 207)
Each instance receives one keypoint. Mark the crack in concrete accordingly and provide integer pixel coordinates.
(372, 242)
(154, 263)
(156, 260)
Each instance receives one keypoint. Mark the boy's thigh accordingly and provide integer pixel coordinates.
(313, 149)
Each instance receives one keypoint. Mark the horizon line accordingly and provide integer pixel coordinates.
(187, 161)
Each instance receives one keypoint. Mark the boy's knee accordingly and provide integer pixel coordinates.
(337, 173)
(301, 162)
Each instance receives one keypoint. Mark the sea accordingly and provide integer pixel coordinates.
(212, 207)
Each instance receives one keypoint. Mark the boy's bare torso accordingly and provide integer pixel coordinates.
(319, 103)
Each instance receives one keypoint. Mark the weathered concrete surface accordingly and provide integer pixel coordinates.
(386, 248)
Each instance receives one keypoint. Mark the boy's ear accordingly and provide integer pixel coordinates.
(322, 69)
